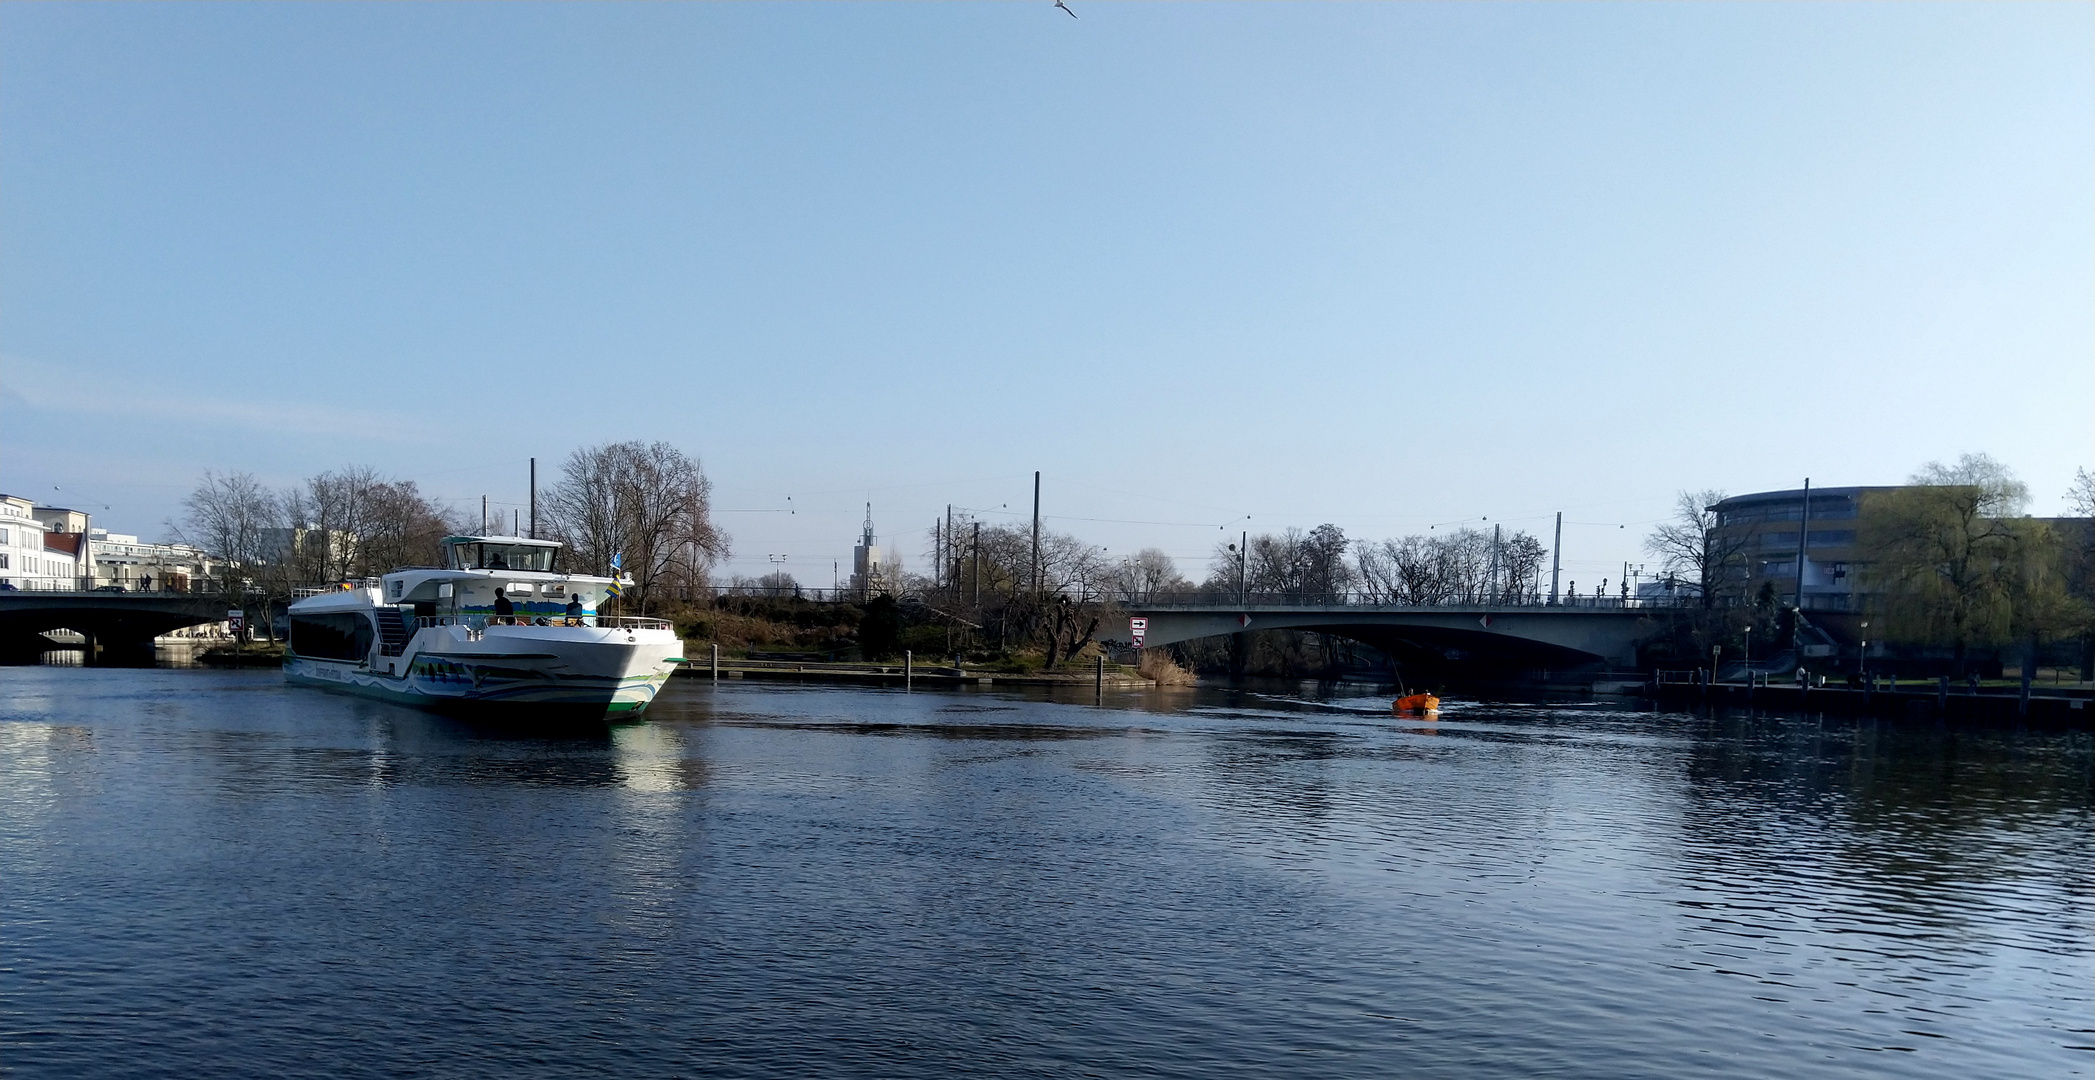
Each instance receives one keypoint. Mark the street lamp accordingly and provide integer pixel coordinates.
(1862, 655)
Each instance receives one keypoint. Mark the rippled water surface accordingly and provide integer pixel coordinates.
(209, 874)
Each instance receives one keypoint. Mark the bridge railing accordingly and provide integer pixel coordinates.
(187, 587)
(1210, 601)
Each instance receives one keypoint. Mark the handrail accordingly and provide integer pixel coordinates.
(480, 620)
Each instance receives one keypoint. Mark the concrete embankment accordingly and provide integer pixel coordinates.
(2046, 710)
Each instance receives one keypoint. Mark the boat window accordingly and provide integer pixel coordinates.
(335, 636)
(529, 557)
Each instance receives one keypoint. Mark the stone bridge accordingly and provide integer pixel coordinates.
(1509, 637)
(114, 619)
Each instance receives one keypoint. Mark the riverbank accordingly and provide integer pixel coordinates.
(252, 654)
(1948, 703)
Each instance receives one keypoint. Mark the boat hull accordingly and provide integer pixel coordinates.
(570, 671)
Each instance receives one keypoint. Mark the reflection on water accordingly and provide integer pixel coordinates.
(211, 872)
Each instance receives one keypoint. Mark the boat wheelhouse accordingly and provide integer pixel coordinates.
(498, 625)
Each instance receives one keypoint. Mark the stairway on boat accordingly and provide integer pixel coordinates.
(393, 631)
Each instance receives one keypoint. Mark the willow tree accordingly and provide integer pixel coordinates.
(647, 502)
(1957, 565)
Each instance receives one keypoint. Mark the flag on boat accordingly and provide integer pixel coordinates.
(617, 588)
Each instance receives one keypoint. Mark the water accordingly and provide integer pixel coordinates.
(209, 874)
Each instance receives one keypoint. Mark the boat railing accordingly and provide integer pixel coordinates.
(300, 592)
(635, 622)
(480, 621)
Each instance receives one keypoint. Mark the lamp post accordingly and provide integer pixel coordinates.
(1862, 658)
(1748, 659)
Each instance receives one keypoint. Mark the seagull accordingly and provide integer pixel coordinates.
(1065, 7)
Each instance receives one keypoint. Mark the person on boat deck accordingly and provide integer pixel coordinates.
(505, 611)
(574, 610)
(495, 561)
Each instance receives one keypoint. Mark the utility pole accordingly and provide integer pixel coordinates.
(483, 514)
(534, 498)
(1556, 558)
(1243, 564)
(1036, 532)
(1495, 564)
(977, 545)
(952, 567)
(1803, 530)
(938, 555)
(1796, 640)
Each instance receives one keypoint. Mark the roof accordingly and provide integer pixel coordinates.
(525, 540)
(1795, 495)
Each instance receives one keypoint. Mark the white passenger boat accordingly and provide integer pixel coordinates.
(498, 628)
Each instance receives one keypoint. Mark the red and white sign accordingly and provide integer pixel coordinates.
(1137, 627)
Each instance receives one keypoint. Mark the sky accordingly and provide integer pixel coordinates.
(1207, 268)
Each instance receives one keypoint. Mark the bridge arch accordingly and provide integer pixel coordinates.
(111, 618)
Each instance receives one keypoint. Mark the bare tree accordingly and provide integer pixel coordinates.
(228, 515)
(646, 501)
(402, 528)
(1459, 567)
(1692, 548)
(1520, 557)
(1289, 563)
(1145, 575)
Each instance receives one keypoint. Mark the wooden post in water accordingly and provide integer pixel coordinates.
(909, 668)
(1099, 683)
(716, 661)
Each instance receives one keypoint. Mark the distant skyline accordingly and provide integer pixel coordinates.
(1385, 266)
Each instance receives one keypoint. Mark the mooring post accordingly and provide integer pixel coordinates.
(716, 661)
(1100, 682)
(909, 668)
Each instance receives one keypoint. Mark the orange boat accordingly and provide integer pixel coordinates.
(1416, 703)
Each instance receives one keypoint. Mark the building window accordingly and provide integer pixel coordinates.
(3, 561)
(1831, 537)
(1778, 540)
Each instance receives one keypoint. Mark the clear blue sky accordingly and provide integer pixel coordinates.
(1380, 265)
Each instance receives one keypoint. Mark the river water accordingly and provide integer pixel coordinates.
(210, 874)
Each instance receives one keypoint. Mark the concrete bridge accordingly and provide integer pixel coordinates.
(112, 619)
(1527, 637)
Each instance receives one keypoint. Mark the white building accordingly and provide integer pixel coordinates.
(34, 555)
(125, 560)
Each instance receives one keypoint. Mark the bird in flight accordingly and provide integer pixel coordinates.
(1065, 7)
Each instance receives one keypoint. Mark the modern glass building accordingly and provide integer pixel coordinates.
(1758, 535)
